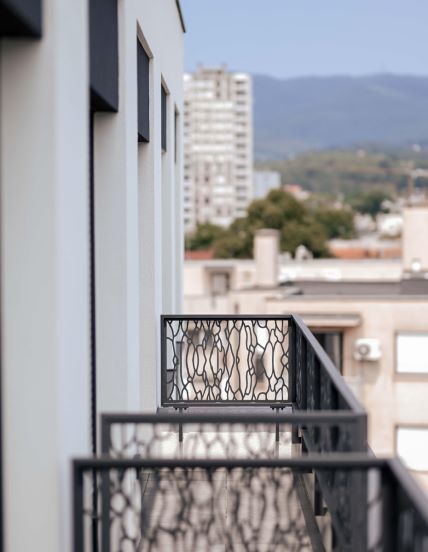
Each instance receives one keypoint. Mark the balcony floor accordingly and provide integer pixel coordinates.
(227, 511)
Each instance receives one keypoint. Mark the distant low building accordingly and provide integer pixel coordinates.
(264, 182)
(297, 191)
(368, 247)
(364, 224)
(390, 225)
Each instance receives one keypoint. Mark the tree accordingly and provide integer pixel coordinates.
(307, 232)
(281, 211)
(298, 224)
(204, 236)
(237, 241)
(370, 202)
(277, 207)
(337, 223)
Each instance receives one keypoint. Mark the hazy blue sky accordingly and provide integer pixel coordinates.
(308, 37)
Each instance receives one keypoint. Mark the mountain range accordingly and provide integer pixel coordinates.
(315, 113)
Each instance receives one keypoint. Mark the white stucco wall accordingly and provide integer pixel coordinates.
(45, 347)
(44, 177)
(138, 244)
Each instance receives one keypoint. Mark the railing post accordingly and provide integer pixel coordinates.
(78, 532)
(292, 361)
(292, 375)
(105, 486)
(359, 434)
(304, 374)
(163, 361)
(389, 512)
(318, 498)
(358, 488)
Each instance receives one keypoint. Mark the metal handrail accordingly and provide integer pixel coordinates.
(402, 523)
(342, 420)
(313, 461)
(294, 322)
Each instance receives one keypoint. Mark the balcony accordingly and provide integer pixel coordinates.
(249, 362)
(259, 446)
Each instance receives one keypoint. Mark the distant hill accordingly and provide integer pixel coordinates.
(296, 115)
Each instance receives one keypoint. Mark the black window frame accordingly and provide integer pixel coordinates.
(21, 18)
(164, 119)
(143, 92)
(104, 55)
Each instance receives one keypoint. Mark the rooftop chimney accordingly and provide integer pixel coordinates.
(266, 250)
(415, 241)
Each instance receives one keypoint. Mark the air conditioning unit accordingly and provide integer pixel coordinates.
(367, 349)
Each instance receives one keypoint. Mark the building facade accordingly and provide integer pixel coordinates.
(90, 168)
(218, 146)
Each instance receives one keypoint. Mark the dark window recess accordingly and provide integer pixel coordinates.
(163, 118)
(143, 65)
(332, 343)
(21, 18)
(104, 55)
(176, 137)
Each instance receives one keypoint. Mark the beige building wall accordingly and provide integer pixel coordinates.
(391, 399)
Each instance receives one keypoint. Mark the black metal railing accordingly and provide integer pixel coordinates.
(247, 504)
(202, 480)
(233, 436)
(251, 361)
(254, 360)
(227, 435)
(209, 360)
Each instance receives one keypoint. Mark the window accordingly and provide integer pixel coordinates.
(163, 119)
(411, 446)
(220, 283)
(332, 343)
(104, 55)
(143, 84)
(412, 353)
(176, 135)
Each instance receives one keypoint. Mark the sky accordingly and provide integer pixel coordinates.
(289, 38)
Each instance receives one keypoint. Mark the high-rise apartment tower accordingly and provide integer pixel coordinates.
(218, 146)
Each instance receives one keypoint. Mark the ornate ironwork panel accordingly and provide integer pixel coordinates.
(223, 437)
(217, 361)
(201, 510)
(150, 506)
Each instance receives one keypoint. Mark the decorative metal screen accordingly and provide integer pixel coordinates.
(196, 507)
(226, 436)
(225, 360)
